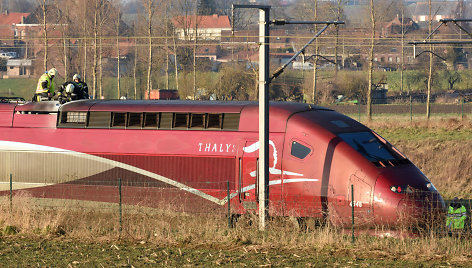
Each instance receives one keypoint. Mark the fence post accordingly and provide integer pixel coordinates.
(411, 108)
(229, 205)
(119, 191)
(11, 192)
(462, 109)
(352, 209)
(358, 110)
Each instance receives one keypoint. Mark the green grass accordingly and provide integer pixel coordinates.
(20, 87)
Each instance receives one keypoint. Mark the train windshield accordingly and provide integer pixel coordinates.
(368, 145)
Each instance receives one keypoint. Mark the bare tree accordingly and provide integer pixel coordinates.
(338, 17)
(403, 46)
(371, 61)
(430, 73)
(317, 48)
(62, 11)
(135, 63)
(195, 50)
(167, 41)
(85, 34)
(95, 46)
(100, 16)
(176, 62)
(117, 23)
(150, 9)
(43, 5)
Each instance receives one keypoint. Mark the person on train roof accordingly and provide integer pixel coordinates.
(45, 87)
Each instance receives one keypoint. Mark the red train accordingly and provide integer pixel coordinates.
(185, 153)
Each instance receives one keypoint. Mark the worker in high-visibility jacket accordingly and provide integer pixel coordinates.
(45, 87)
(456, 216)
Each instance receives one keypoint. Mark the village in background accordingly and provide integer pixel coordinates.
(108, 42)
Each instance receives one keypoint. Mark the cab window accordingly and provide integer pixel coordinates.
(368, 145)
(299, 150)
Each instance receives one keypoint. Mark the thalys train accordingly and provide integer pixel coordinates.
(197, 155)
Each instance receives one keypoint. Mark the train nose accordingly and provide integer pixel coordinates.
(398, 203)
(423, 208)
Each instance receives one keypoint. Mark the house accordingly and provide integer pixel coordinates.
(207, 27)
(19, 68)
(395, 26)
(439, 11)
(9, 33)
(279, 38)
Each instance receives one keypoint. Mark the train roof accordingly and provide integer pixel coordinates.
(238, 115)
(182, 106)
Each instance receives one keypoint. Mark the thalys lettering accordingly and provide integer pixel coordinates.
(216, 147)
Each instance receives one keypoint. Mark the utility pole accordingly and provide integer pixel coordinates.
(264, 81)
(263, 183)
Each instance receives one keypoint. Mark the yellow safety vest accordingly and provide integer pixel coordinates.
(50, 86)
(456, 218)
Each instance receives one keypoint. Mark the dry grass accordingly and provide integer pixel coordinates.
(164, 227)
(441, 148)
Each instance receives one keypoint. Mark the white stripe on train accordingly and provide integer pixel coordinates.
(13, 146)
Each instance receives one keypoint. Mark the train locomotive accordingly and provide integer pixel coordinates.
(190, 154)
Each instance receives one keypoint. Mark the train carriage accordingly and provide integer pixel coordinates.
(185, 154)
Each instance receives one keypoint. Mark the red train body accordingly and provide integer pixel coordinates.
(185, 154)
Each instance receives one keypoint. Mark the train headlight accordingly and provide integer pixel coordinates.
(431, 187)
(401, 189)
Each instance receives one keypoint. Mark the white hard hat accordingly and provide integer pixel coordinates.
(52, 72)
(76, 76)
(70, 88)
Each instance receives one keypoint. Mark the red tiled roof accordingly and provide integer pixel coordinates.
(12, 18)
(211, 21)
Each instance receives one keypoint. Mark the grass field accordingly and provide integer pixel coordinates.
(22, 251)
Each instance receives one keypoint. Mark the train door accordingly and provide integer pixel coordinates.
(249, 175)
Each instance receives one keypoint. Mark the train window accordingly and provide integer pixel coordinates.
(197, 121)
(72, 119)
(165, 120)
(180, 121)
(135, 120)
(151, 120)
(230, 122)
(213, 121)
(368, 145)
(340, 123)
(119, 120)
(299, 150)
(99, 120)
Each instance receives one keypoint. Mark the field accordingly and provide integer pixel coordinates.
(84, 235)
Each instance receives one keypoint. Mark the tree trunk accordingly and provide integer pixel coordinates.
(315, 63)
(371, 61)
(95, 49)
(195, 54)
(167, 47)
(84, 76)
(176, 65)
(149, 70)
(403, 48)
(118, 84)
(338, 17)
(100, 66)
(135, 67)
(430, 73)
(66, 67)
(43, 7)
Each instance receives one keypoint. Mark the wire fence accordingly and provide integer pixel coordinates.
(411, 110)
(412, 211)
